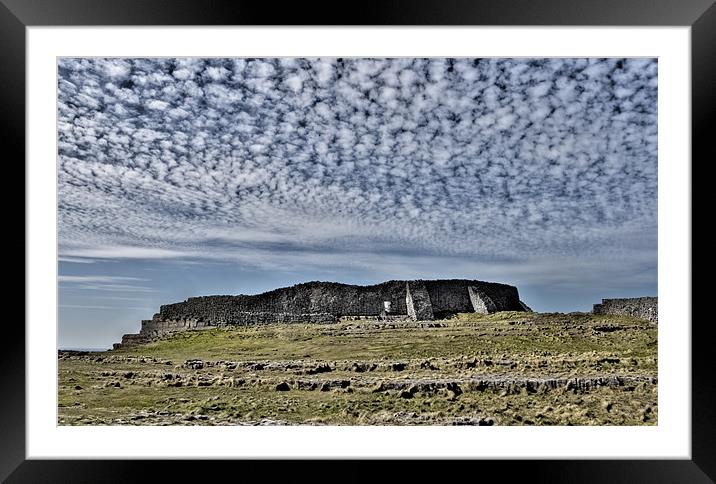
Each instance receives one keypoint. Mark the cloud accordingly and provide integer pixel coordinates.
(85, 306)
(111, 287)
(359, 162)
(125, 252)
(103, 283)
(75, 260)
(85, 279)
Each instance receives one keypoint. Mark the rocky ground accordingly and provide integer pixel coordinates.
(501, 369)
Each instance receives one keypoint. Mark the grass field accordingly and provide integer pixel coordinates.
(504, 369)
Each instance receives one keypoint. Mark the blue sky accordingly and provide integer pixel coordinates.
(184, 177)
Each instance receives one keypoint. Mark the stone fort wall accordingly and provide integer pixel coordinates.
(638, 307)
(326, 302)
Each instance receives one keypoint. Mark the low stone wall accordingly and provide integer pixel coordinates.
(131, 340)
(152, 329)
(638, 307)
(158, 327)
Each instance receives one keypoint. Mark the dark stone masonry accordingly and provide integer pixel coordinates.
(639, 307)
(328, 302)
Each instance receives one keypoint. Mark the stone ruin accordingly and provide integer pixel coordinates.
(638, 307)
(330, 302)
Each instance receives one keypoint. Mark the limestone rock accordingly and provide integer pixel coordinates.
(481, 302)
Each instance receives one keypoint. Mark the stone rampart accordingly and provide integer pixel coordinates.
(418, 301)
(638, 307)
(480, 301)
(327, 302)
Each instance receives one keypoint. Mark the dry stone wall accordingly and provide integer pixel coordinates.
(481, 302)
(308, 298)
(451, 296)
(638, 307)
(326, 302)
(418, 301)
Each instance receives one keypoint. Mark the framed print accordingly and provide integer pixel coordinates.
(414, 232)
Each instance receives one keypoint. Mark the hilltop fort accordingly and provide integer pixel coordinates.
(330, 302)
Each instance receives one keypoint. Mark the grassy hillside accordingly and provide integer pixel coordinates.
(504, 368)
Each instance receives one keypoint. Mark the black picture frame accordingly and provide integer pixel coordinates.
(16, 15)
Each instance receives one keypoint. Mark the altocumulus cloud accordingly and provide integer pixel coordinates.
(289, 163)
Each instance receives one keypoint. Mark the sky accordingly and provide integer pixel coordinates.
(180, 177)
